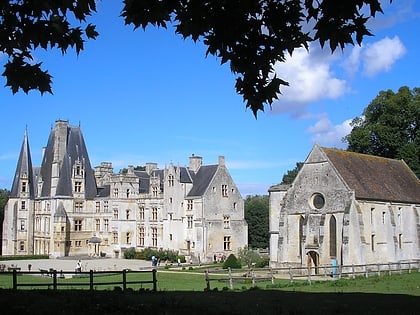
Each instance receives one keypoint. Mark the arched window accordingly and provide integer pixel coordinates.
(333, 237)
(301, 219)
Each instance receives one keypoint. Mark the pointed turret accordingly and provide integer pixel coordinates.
(23, 182)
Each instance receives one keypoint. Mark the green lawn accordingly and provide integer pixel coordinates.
(406, 283)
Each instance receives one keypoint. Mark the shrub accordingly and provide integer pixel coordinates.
(130, 253)
(232, 262)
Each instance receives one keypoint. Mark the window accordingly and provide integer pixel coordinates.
(78, 225)
(78, 206)
(23, 205)
(22, 245)
(98, 207)
(106, 207)
(106, 224)
(78, 186)
(224, 190)
(171, 180)
(115, 192)
(317, 201)
(399, 215)
(23, 188)
(399, 241)
(190, 221)
(372, 242)
(226, 221)
(154, 237)
(128, 237)
(127, 214)
(115, 237)
(170, 237)
(115, 210)
(78, 170)
(155, 191)
(235, 206)
(154, 214)
(141, 213)
(383, 217)
(22, 225)
(170, 199)
(97, 225)
(127, 193)
(78, 243)
(226, 243)
(141, 235)
(333, 237)
(189, 204)
(372, 214)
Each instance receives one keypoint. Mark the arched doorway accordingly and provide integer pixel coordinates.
(312, 261)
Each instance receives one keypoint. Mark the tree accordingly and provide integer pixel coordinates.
(257, 217)
(290, 176)
(390, 127)
(4, 197)
(251, 35)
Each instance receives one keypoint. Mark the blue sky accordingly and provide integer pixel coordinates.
(150, 96)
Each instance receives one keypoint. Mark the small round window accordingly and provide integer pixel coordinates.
(318, 201)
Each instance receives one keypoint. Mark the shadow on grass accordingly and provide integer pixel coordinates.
(212, 302)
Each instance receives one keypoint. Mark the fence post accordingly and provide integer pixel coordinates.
(272, 275)
(253, 278)
(389, 269)
(352, 272)
(366, 272)
(230, 279)
(54, 279)
(14, 279)
(309, 276)
(91, 280)
(379, 270)
(124, 276)
(207, 280)
(409, 267)
(291, 274)
(154, 280)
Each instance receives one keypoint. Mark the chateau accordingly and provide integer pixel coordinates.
(66, 207)
(346, 208)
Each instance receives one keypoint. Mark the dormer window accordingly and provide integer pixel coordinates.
(171, 180)
(24, 187)
(78, 186)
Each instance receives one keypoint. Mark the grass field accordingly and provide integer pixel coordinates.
(183, 293)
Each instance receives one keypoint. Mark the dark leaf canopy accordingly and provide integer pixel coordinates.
(249, 35)
(390, 127)
(26, 25)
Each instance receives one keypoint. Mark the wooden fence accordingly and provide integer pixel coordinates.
(326, 271)
(91, 280)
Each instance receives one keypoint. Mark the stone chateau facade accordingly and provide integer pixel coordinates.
(67, 208)
(346, 208)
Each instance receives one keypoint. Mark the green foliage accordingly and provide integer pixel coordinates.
(162, 254)
(4, 197)
(28, 25)
(290, 176)
(260, 34)
(390, 127)
(232, 262)
(130, 253)
(248, 257)
(257, 216)
(137, 168)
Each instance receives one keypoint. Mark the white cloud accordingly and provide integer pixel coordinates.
(327, 134)
(311, 79)
(381, 55)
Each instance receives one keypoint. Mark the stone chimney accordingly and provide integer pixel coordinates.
(221, 160)
(150, 167)
(195, 162)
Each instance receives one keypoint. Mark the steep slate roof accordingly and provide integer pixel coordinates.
(202, 180)
(75, 150)
(376, 178)
(24, 166)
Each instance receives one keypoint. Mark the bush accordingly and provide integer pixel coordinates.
(232, 262)
(130, 253)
